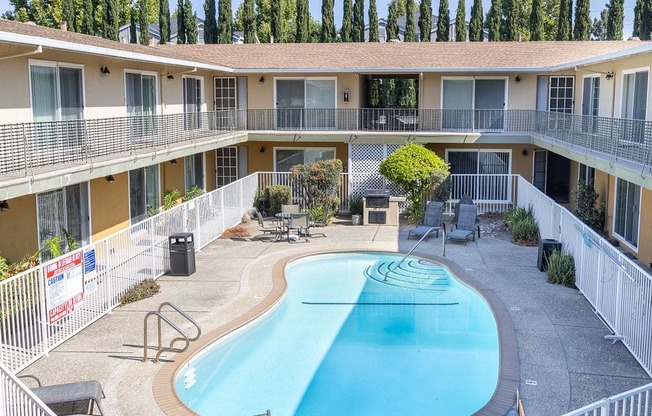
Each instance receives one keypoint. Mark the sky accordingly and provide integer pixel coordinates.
(315, 9)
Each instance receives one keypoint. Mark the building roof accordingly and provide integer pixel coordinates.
(410, 56)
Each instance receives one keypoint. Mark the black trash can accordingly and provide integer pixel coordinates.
(546, 247)
(182, 254)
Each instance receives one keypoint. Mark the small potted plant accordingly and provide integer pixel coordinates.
(355, 208)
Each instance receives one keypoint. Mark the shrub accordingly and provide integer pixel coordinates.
(561, 268)
(235, 232)
(518, 214)
(587, 208)
(193, 192)
(525, 231)
(320, 183)
(355, 204)
(145, 289)
(170, 199)
(317, 214)
(277, 195)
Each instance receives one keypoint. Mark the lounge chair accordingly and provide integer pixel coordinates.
(431, 221)
(466, 224)
(70, 398)
(465, 200)
(290, 209)
(299, 223)
(268, 224)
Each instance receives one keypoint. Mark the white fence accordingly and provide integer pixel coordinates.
(16, 399)
(103, 271)
(636, 402)
(619, 290)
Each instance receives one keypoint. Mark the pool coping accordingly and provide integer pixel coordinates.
(501, 402)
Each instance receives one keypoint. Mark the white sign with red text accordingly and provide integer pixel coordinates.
(65, 286)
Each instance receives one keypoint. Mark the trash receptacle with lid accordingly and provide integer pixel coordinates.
(546, 247)
(182, 254)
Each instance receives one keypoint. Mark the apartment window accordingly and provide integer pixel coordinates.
(285, 158)
(485, 100)
(627, 212)
(63, 209)
(305, 103)
(225, 101)
(561, 94)
(144, 194)
(140, 93)
(634, 104)
(587, 175)
(480, 162)
(194, 171)
(57, 94)
(192, 102)
(226, 161)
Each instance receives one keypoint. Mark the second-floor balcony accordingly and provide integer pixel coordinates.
(27, 149)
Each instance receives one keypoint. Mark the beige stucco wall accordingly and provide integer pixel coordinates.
(109, 205)
(18, 228)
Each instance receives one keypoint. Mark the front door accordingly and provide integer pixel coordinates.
(539, 170)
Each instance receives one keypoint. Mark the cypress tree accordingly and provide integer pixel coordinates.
(476, 27)
(425, 20)
(133, 35)
(410, 27)
(536, 21)
(181, 23)
(460, 22)
(642, 19)
(392, 22)
(615, 17)
(509, 28)
(143, 9)
(373, 22)
(582, 29)
(563, 21)
(358, 21)
(303, 17)
(443, 19)
(275, 23)
(191, 23)
(210, 22)
(327, 34)
(638, 16)
(224, 22)
(249, 18)
(494, 19)
(68, 14)
(164, 21)
(599, 28)
(347, 22)
(111, 19)
(88, 22)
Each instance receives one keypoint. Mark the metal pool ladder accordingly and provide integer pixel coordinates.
(443, 239)
(184, 337)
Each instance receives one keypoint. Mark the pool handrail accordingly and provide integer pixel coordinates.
(426, 234)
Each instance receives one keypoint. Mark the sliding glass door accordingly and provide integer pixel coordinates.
(634, 105)
(192, 102)
(473, 104)
(141, 102)
(305, 104)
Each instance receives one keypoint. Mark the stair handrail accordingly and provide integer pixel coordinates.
(431, 229)
(184, 337)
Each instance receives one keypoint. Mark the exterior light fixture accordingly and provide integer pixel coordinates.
(173, 161)
(262, 79)
(524, 152)
(609, 75)
(4, 206)
(262, 149)
(517, 79)
(105, 70)
(110, 179)
(170, 77)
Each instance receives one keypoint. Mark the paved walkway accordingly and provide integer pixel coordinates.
(565, 361)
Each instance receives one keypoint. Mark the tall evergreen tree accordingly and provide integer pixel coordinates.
(164, 21)
(181, 23)
(303, 18)
(563, 21)
(327, 34)
(476, 26)
(88, 21)
(68, 14)
(582, 30)
(425, 20)
(509, 27)
(599, 27)
(392, 22)
(276, 24)
(410, 27)
(347, 22)
(494, 20)
(443, 19)
(460, 22)
(143, 9)
(224, 22)
(133, 31)
(192, 35)
(373, 23)
(536, 21)
(615, 18)
(249, 18)
(358, 21)
(642, 19)
(111, 19)
(210, 22)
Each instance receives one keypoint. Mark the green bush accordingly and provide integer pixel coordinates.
(525, 231)
(518, 214)
(319, 182)
(355, 204)
(145, 289)
(317, 214)
(270, 199)
(561, 268)
(587, 208)
(170, 199)
(193, 192)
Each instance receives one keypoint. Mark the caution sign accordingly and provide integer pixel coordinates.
(65, 286)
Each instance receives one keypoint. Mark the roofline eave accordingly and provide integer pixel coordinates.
(383, 70)
(646, 47)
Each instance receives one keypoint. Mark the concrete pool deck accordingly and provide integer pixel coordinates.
(565, 362)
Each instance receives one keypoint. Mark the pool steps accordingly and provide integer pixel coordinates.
(410, 274)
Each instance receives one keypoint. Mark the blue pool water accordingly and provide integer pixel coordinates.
(346, 340)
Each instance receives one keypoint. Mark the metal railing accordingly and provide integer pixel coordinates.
(635, 402)
(28, 148)
(18, 400)
(162, 318)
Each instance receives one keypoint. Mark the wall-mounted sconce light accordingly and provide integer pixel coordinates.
(524, 152)
(262, 149)
(4, 206)
(517, 79)
(110, 178)
(170, 77)
(105, 70)
(261, 80)
(609, 75)
(173, 161)
(347, 95)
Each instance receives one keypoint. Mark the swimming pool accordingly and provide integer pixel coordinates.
(347, 340)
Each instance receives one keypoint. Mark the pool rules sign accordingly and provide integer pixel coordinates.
(65, 286)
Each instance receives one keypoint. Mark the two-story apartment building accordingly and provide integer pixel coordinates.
(93, 132)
